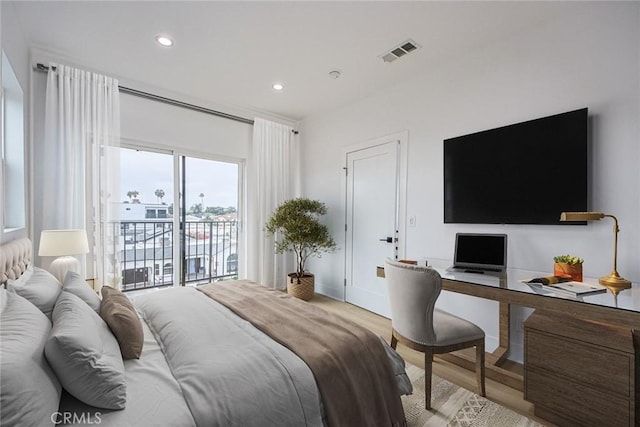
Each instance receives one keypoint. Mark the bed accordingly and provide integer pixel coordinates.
(219, 355)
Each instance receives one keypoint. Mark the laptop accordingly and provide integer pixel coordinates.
(480, 253)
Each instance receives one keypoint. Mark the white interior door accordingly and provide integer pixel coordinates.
(371, 222)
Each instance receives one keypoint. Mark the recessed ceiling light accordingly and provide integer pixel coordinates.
(277, 86)
(164, 41)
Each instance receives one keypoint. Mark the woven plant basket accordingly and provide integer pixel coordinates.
(304, 290)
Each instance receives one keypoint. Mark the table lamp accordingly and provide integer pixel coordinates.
(63, 244)
(613, 280)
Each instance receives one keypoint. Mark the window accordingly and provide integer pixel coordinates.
(232, 263)
(135, 275)
(167, 269)
(12, 165)
(205, 232)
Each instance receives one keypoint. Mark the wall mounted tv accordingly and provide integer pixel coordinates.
(525, 173)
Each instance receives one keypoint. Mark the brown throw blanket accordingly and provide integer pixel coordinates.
(350, 366)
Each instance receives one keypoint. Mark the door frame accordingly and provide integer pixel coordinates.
(401, 202)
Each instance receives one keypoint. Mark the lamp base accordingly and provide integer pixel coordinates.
(60, 266)
(614, 281)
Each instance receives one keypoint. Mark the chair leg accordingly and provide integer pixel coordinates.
(428, 370)
(394, 341)
(480, 367)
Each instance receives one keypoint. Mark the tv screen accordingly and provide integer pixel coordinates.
(525, 173)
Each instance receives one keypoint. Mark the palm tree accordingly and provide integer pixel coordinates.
(201, 195)
(132, 194)
(159, 194)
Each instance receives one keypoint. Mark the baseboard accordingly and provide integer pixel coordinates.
(333, 292)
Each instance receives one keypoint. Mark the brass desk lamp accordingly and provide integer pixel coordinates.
(613, 280)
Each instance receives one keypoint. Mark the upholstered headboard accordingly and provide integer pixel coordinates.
(15, 256)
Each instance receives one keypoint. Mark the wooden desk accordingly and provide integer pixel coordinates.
(581, 373)
(623, 310)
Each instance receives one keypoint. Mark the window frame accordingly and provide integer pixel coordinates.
(13, 167)
(179, 262)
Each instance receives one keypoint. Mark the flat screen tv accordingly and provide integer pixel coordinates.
(525, 173)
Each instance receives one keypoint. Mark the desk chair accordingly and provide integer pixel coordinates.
(417, 324)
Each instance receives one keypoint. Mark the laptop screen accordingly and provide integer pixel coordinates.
(481, 251)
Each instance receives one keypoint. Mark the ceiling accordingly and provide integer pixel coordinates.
(230, 53)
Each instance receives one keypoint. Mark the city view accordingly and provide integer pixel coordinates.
(146, 252)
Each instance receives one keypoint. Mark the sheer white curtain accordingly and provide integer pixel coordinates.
(273, 177)
(81, 145)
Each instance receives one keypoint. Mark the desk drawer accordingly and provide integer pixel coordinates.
(578, 404)
(605, 370)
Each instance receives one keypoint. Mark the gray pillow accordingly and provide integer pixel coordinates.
(30, 391)
(123, 320)
(41, 288)
(75, 284)
(85, 355)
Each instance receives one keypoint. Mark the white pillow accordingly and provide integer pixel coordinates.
(30, 391)
(75, 284)
(85, 355)
(40, 287)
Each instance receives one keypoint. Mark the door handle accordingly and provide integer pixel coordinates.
(387, 239)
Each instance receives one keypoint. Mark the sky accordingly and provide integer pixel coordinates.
(146, 172)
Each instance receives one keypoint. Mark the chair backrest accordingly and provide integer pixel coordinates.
(413, 292)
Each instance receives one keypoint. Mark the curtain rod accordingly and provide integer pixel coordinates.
(141, 94)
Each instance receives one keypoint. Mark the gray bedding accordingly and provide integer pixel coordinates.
(203, 365)
(217, 370)
(154, 397)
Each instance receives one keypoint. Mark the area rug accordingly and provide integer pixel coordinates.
(455, 406)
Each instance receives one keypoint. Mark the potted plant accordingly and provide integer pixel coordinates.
(296, 227)
(568, 265)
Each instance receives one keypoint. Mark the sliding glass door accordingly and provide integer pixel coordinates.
(210, 220)
(178, 219)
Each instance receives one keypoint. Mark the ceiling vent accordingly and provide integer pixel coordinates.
(399, 51)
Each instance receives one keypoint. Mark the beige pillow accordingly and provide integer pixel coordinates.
(118, 312)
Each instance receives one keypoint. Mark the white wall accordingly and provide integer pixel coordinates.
(589, 60)
(159, 124)
(155, 123)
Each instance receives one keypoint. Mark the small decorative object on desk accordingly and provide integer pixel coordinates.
(565, 285)
(568, 265)
(550, 280)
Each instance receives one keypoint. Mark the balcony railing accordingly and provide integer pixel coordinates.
(145, 252)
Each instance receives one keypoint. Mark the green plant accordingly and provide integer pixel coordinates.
(296, 227)
(568, 259)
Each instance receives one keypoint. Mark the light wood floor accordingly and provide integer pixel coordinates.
(497, 392)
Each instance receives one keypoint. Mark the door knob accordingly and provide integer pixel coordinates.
(387, 239)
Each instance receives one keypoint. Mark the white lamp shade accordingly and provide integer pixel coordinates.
(63, 243)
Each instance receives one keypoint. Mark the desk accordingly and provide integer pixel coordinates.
(623, 310)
